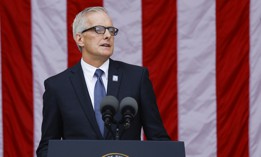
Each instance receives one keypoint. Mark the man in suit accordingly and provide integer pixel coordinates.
(69, 97)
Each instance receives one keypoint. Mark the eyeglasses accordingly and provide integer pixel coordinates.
(101, 30)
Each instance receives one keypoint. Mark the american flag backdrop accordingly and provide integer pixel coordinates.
(204, 59)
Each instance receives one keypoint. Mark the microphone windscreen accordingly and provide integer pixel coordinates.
(129, 103)
(109, 101)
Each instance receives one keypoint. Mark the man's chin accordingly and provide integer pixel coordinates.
(106, 54)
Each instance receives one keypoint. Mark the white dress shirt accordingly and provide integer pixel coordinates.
(90, 79)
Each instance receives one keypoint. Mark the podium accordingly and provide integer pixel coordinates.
(115, 148)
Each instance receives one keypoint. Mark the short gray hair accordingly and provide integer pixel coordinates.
(79, 23)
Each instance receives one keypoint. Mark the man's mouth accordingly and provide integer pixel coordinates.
(105, 45)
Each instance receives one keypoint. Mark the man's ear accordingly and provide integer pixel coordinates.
(79, 40)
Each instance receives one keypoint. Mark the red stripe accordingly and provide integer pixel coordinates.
(232, 78)
(17, 80)
(73, 7)
(159, 32)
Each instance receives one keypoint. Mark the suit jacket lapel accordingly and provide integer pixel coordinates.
(114, 79)
(79, 85)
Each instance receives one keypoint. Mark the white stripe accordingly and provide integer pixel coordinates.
(126, 15)
(49, 48)
(196, 77)
(1, 100)
(255, 79)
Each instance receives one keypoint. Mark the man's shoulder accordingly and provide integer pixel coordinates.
(126, 66)
(61, 76)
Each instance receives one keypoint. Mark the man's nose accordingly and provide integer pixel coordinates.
(107, 34)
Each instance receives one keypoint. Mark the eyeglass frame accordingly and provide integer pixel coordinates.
(116, 30)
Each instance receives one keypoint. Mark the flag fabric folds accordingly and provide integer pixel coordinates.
(204, 59)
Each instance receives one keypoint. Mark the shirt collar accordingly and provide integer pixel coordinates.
(90, 70)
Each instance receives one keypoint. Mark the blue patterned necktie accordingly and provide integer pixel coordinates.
(99, 94)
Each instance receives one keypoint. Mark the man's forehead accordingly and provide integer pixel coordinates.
(98, 18)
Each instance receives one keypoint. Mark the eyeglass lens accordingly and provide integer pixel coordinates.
(102, 29)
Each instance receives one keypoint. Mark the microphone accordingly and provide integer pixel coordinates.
(108, 107)
(128, 109)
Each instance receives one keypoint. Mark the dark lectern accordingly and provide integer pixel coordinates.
(117, 148)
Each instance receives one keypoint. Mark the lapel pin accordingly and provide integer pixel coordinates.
(115, 78)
